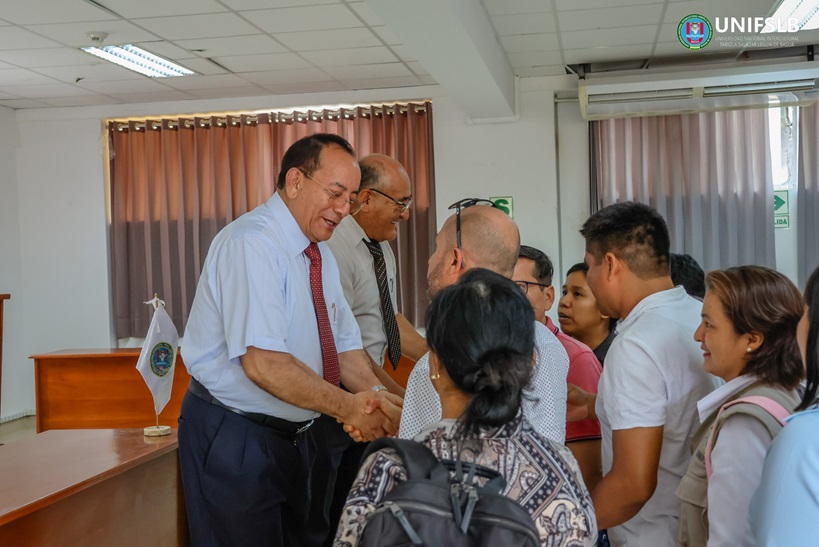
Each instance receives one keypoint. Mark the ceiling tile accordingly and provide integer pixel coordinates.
(529, 42)
(303, 18)
(65, 11)
(355, 56)
(22, 76)
(205, 82)
(387, 35)
(167, 50)
(74, 34)
(603, 54)
(281, 77)
(203, 66)
(426, 79)
(535, 58)
(367, 14)
(505, 7)
(623, 36)
(22, 103)
(710, 9)
(233, 45)
(328, 39)
(531, 23)
(374, 83)
(32, 58)
(93, 100)
(610, 17)
(20, 38)
(417, 68)
(43, 91)
(268, 4)
(255, 63)
(387, 70)
(161, 8)
(198, 26)
(311, 87)
(143, 85)
(403, 52)
(99, 72)
(169, 95)
(571, 5)
(247, 91)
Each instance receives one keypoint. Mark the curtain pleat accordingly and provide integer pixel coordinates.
(807, 193)
(176, 182)
(709, 174)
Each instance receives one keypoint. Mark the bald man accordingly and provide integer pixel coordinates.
(488, 239)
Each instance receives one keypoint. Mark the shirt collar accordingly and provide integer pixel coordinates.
(295, 239)
(656, 300)
(711, 402)
(349, 230)
(551, 326)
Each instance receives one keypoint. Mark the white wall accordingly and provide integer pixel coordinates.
(61, 244)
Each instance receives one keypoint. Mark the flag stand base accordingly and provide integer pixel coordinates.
(157, 431)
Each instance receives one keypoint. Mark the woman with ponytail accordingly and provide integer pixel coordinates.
(481, 336)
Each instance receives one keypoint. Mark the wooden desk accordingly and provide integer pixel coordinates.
(91, 487)
(99, 389)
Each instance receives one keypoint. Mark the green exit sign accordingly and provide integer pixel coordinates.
(505, 204)
(782, 209)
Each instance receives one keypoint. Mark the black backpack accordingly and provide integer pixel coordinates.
(432, 509)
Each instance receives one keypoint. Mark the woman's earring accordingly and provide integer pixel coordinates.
(435, 376)
(749, 350)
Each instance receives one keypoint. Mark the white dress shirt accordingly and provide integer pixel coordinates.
(544, 401)
(255, 291)
(654, 377)
(355, 265)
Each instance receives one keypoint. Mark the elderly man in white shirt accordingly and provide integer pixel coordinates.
(485, 237)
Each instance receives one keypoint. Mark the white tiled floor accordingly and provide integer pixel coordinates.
(17, 429)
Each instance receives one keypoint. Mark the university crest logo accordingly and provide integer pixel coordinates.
(161, 358)
(695, 31)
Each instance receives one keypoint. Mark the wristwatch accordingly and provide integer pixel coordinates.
(379, 388)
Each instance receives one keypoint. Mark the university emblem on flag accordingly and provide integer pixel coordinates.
(694, 31)
(161, 359)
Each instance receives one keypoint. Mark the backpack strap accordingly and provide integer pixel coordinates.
(772, 407)
(418, 460)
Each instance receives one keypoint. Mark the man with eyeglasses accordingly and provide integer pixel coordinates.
(269, 339)
(533, 274)
(366, 265)
(480, 235)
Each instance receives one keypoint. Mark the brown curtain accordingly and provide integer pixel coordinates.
(176, 182)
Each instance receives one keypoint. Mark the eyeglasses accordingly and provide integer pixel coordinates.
(524, 285)
(355, 205)
(403, 205)
(464, 204)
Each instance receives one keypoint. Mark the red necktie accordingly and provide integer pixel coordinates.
(329, 355)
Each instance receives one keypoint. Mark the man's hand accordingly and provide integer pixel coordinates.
(374, 415)
(388, 406)
(580, 404)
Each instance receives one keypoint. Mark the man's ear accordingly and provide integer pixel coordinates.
(550, 296)
(612, 266)
(293, 182)
(364, 197)
(453, 265)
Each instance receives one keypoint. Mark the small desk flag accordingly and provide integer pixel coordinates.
(158, 355)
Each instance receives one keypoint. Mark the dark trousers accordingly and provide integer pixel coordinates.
(336, 466)
(245, 484)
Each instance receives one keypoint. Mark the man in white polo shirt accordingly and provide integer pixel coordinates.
(653, 378)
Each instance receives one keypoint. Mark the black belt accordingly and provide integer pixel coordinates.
(285, 428)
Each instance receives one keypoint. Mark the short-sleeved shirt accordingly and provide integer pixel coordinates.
(584, 372)
(355, 265)
(255, 291)
(544, 400)
(785, 508)
(654, 377)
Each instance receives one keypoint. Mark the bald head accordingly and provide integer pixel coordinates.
(377, 170)
(489, 239)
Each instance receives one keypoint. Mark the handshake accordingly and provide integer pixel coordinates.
(372, 414)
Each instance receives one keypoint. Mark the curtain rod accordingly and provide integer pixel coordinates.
(269, 117)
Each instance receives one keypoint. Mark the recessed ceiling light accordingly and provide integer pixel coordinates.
(806, 12)
(139, 60)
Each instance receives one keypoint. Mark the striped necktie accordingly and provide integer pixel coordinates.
(387, 311)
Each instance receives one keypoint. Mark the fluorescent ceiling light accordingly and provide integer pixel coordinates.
(139, 60)
(804, 11)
